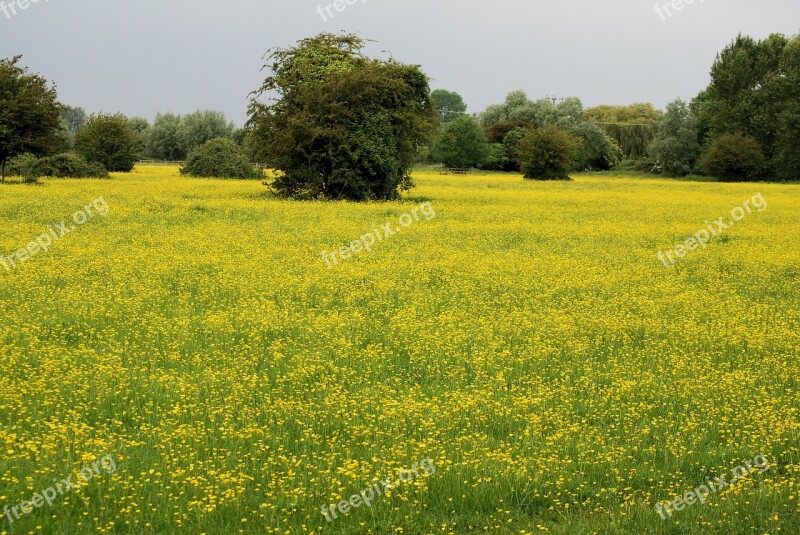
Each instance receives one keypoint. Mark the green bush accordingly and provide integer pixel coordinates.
(547, 153)
(23, 165)
(65, 165)
(110, 140)
(461, 143)
(734, 158)
(68, 165)
(219, 158)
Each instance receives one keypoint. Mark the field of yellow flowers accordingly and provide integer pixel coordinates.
(526, 340)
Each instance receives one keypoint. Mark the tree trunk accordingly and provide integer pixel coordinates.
(3, 174)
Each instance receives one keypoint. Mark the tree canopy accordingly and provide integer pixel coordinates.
(109, 140)
(340, 125)
(755, 91)
(461, 143)
(29, 113)
(449, 105)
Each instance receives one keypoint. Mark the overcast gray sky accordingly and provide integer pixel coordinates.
(147, 56)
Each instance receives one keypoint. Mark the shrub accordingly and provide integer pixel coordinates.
(461, 143)
(220, 158)
(734, 158)
(68, 166)
(23, 165)
(110, 140)
(65, 165)
(547, 154)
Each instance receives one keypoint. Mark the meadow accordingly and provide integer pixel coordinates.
(527, 340)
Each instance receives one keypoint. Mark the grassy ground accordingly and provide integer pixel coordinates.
(526, 339)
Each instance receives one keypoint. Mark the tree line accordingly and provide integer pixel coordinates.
(339, 124)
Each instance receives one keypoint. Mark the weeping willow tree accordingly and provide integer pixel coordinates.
(632, 138)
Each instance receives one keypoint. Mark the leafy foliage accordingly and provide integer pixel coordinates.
(109, 140)
(497, 159)
(639, 113)
(633, 139)
(461, 143)
(342, 126)
(448, 104)
(755, 90)
(547, 153)
(675, 147)
(202, 126)
(164, 140)
(64, 165)
(172, 137)
(734, 158)
(221, 158)
(29, 113)
(596, 149)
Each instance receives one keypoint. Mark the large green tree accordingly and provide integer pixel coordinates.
(755, 91)
(109, 140)
(29, 113)
(341, 125)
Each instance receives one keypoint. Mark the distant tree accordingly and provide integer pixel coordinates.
(547, 153)
(74, 117)
(517, 107)
(511, 142)
(639, 113)
(109, 140)
(141, 127)
(597, 150)
(220, 158)
(448, 104)
(240, 136)
(29, 113)
(734, 158)
(497, 132)
(632, 127)
(675, 147)
(343, 126)
(202, 126)
(461, 143)
(164, 141)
